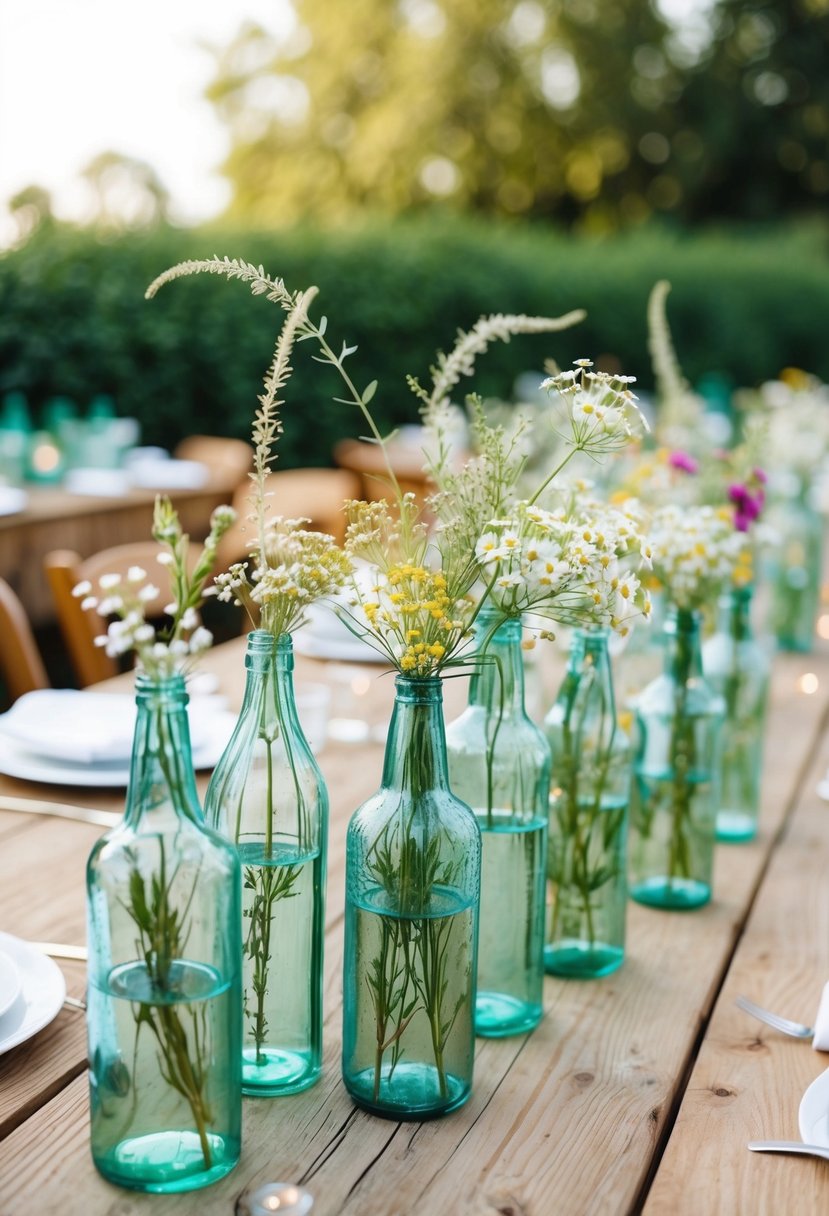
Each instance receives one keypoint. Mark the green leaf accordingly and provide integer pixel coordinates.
(369, 392)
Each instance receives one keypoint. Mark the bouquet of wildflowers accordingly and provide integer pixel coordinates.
(160, 651)
(696, 552)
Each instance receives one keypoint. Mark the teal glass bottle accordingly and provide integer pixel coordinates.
(268, 796)
(674, 794)
(738, 668)
(499, 763)
(796, 571)
(165, 1006)
(413, 868)
(589, 800)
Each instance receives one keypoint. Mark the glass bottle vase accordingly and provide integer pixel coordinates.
(674, 794)
(796, 572)
(499, 763)
(164, 1003)
(737, 669)
(589, 799)
(413, 864)
(267, 795)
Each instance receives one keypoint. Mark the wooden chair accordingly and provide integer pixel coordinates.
(230, 460)
(20, 660)
(315, 494)
(366, 461)
(65, 569)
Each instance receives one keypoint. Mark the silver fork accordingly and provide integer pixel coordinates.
(789, 1146)
(785, 1025)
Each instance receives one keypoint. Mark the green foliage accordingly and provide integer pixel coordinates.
(73, 318)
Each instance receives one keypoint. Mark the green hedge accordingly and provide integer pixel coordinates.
(73, 318)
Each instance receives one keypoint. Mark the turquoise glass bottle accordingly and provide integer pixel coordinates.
(499, 763)
(738, 668)
(796, 570)
(164, 1016)
(267, 795)
(413, 868)
(674, 794)
(589, 799)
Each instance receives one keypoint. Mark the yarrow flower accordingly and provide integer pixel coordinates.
(163, 652)
(296, 568)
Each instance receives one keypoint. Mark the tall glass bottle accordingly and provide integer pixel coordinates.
(499, 763)
(589, 798)
(164, 1017)
(267, 795)
(413, 867)
(737, 668)
(796, 571)
(674, 795)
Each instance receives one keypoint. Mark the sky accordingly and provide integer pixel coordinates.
(79, 77)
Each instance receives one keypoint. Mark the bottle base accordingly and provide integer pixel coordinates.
(407, 1092)
(497, 1015)
(273, 1072)
(736, 827)
(582, 960)
(167, 1163)
(673, 894)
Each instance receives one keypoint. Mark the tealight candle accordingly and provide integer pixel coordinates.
(282, 1198)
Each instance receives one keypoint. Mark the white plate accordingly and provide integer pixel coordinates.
(15, 761)
(12, 500)
(9, 982)
(813, 1116)
(42, 993)
(90, 727)
(169, 474)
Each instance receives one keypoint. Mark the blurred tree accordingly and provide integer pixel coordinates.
(752, 125)
(127, 193)
(30, 209)
(507, 107)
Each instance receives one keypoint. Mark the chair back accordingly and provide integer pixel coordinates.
(314, 494)
(65, 569)
(20, 660)
(230, 460)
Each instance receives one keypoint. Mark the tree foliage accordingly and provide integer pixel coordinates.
(596, 110)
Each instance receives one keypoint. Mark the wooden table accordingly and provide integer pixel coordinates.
(636, 1092)
(56, 519)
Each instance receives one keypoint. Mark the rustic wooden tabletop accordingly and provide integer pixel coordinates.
(637, 1091)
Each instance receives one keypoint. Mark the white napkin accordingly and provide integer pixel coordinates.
(820, 1042)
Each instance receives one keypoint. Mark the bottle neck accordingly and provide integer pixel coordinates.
(416, 746)
(734, 614)
(498, 681)
(589, 649)
(683, 653)
(162, 779)
(269, 687)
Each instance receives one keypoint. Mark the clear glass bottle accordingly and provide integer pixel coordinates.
(268, 796)
(164, 1016)
(589, 799)
(796, 570)
(413, 868)
(499, 763)
(674, 794)
(738, 668)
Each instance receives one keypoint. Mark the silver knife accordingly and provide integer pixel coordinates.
(60, 810)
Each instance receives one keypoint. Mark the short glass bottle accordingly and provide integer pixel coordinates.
(589, 799)
(164, 1016)
(796, 570)
(737, 668)
(413, 866)
(267, 795)
(674, 794)
(499, 763)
